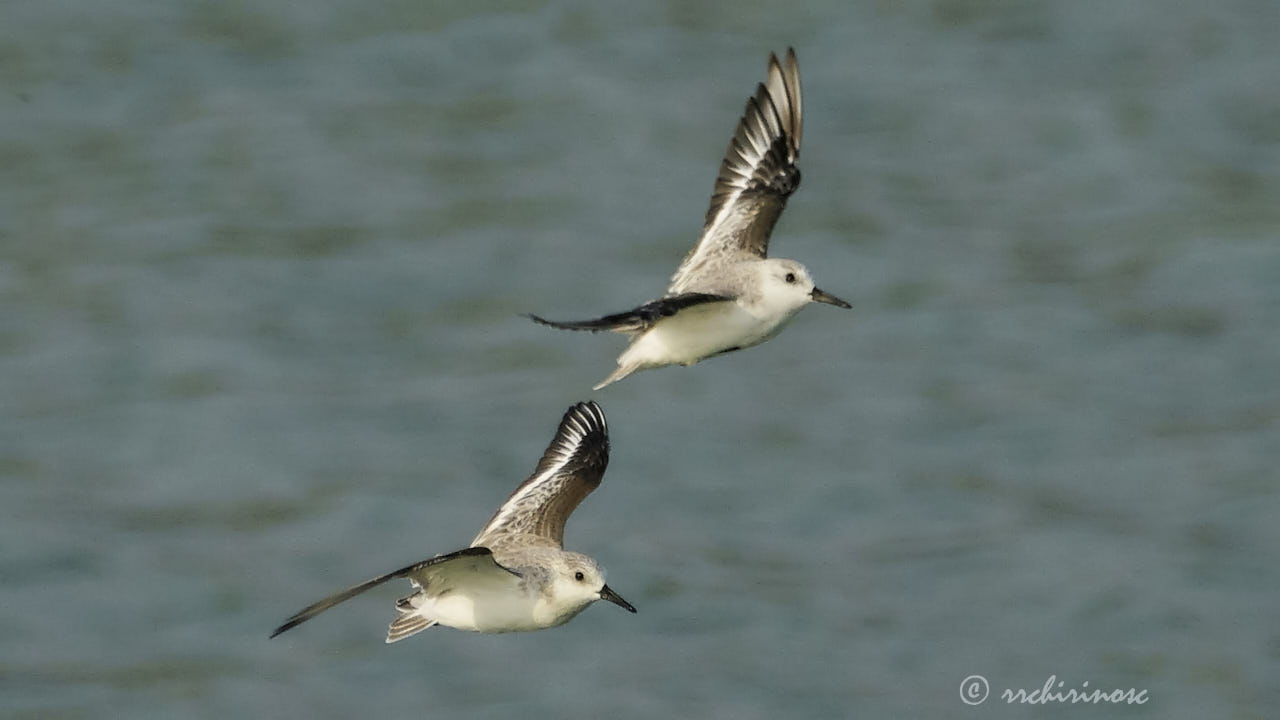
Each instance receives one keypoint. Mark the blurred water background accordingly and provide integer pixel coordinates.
(262, 265)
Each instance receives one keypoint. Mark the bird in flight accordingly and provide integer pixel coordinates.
(728, 294)
(516, 574)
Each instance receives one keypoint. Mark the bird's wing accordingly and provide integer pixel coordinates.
(638, 319)
(757, 175)
(572, 466)
(472, 559)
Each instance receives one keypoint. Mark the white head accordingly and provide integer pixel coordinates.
(578, 581)
(786, 287)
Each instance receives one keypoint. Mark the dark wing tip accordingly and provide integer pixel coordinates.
(765, 146)
(783, 84)
(587, 418)
(582, 438)
(791, 77)
(587, 325)
(619, 322)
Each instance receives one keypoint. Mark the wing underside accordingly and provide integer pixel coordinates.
(756, 177)
(572, 466)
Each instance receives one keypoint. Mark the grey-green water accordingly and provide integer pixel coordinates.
(262, 265)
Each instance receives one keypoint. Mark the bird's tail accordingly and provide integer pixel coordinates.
(409, 623)
(621, 372)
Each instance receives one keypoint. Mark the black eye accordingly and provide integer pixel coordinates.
(579, 576)
(790, 277)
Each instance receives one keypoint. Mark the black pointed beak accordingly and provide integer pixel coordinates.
(826, 297)
(607, 593)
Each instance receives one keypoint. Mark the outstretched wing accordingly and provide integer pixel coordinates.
(469, 557)
(572, 466)
(639, 319)
(757, 175)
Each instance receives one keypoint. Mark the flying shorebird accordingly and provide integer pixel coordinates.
(727, 295)
(516, 575)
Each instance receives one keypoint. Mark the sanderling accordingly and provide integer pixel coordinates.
(516, 575)
(727, 295)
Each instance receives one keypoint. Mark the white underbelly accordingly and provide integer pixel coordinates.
(491, 600)
(696, 333)
(505, 612)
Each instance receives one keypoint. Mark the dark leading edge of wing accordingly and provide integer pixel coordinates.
(314, 609)
(572, 466)
(639, 319)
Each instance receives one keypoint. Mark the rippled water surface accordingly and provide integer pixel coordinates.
(263, 264)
